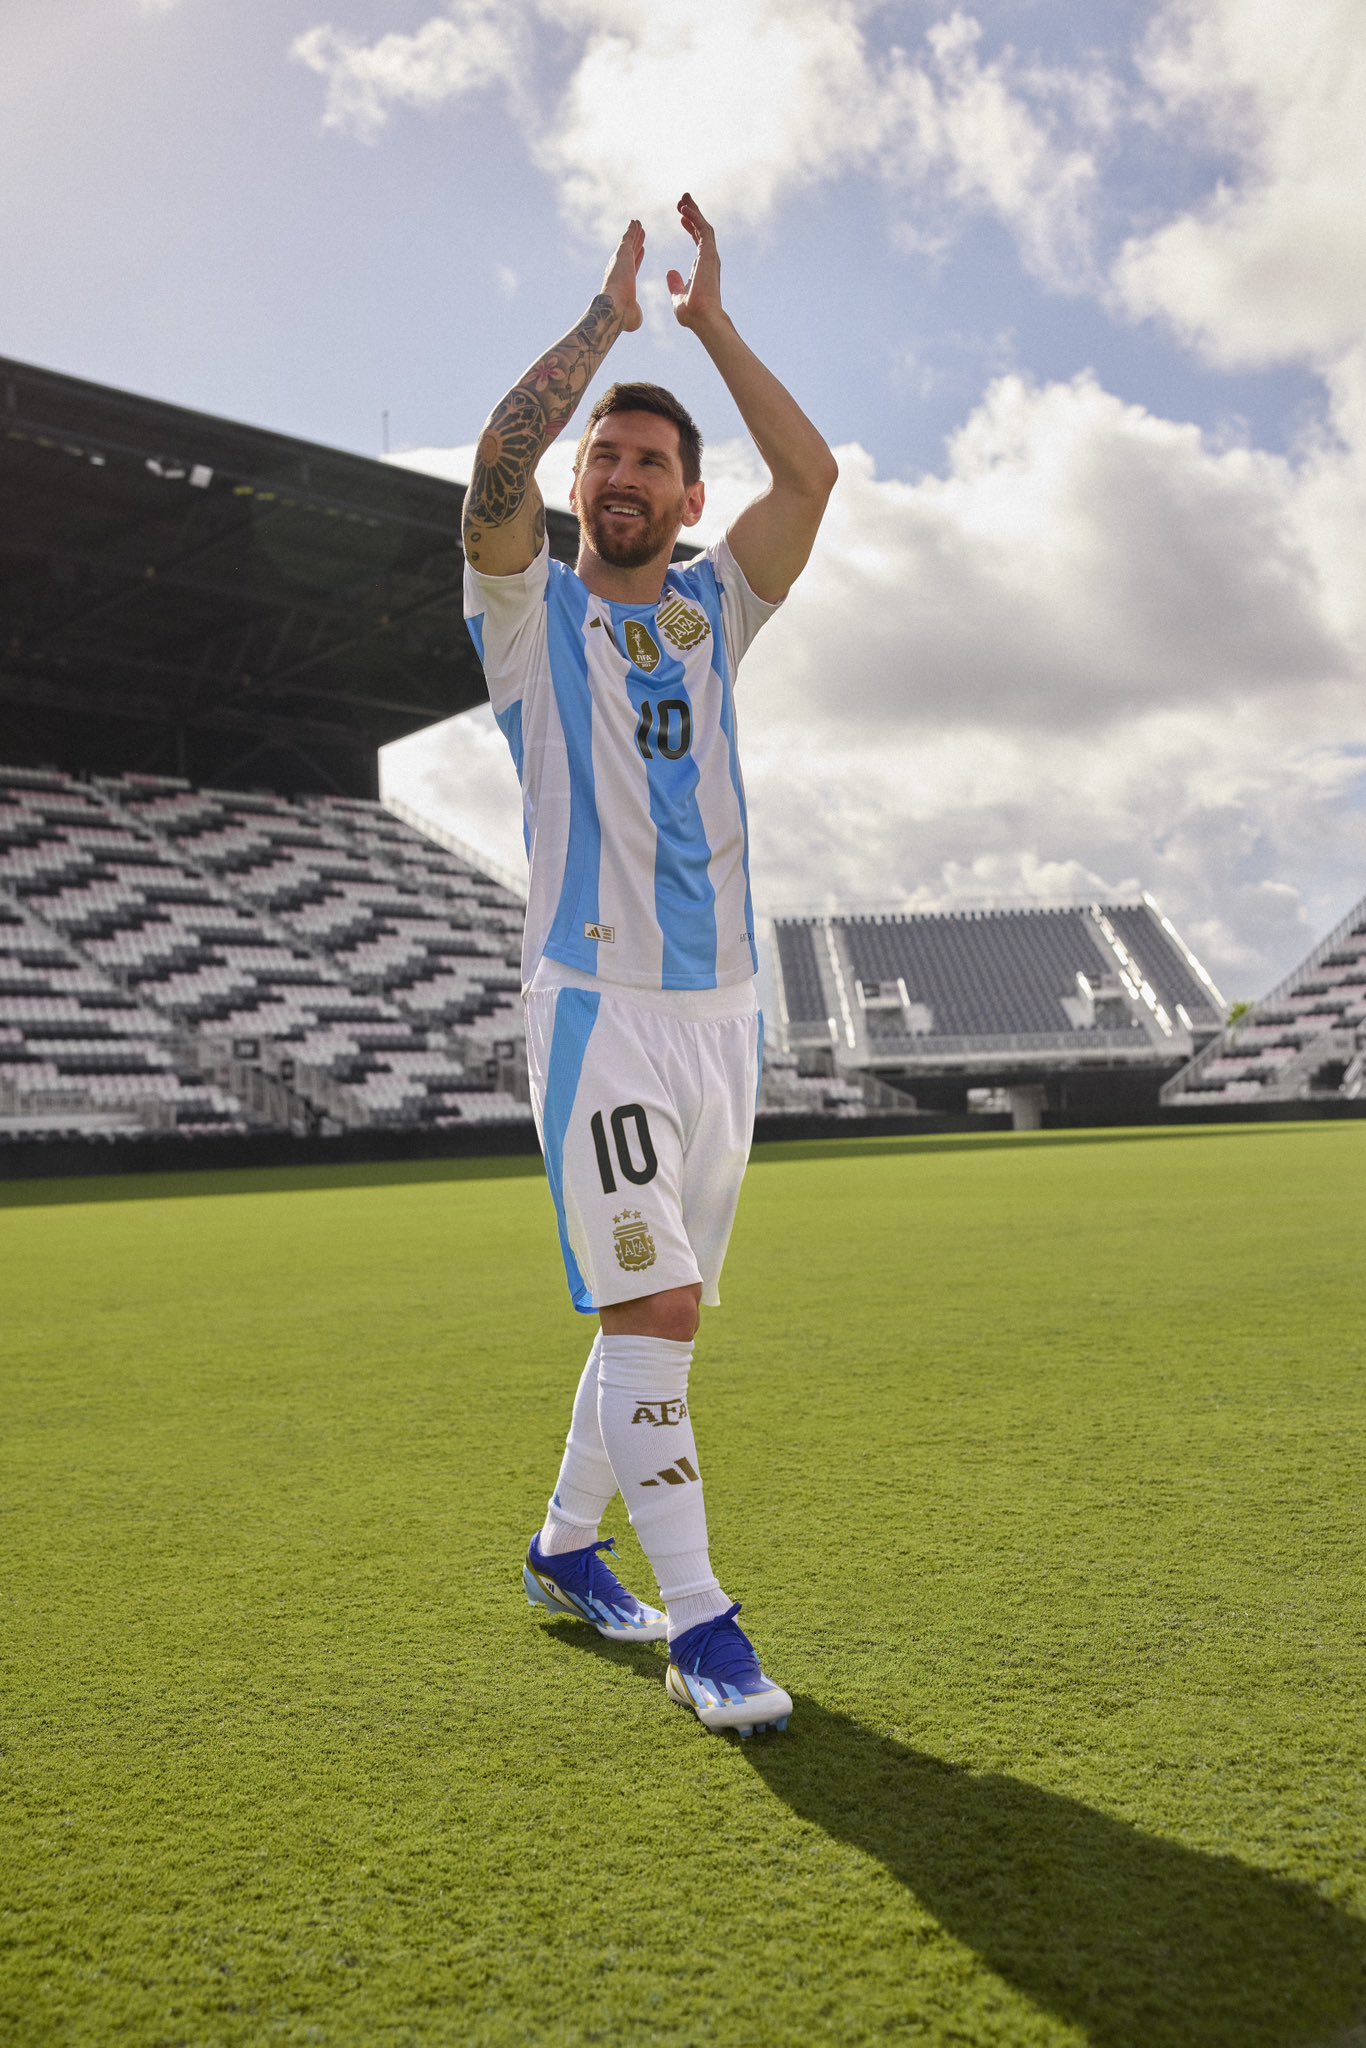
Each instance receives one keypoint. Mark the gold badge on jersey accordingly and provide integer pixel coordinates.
(635, 1246)
(642, 646)
(684, 623)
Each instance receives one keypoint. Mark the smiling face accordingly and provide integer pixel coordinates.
(629, 491)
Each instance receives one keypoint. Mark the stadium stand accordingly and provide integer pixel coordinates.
(209, 961)
(185, 956)
(1014, 998)
(167, 952)
(1304, 1042)
(80, 1051)
(787, 1091)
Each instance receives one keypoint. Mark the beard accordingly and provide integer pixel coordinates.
(638, 542)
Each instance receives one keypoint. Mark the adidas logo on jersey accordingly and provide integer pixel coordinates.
(605, 934)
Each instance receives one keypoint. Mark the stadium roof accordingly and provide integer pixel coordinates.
(185, 595)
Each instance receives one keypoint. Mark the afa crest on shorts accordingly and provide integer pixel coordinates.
(635, 1246)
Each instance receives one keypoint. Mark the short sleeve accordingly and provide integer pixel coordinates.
(742, 613)
(505, 616)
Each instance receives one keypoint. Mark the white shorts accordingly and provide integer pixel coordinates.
(644, 1106)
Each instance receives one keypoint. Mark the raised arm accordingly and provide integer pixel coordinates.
(503, 523)
(772, 538)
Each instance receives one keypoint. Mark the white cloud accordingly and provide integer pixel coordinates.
(748, 102)
(752, 103)
(475, 45)
(970, 124)
(1096, 650)
(656, 303)
(1271, 266)
(1094, 642)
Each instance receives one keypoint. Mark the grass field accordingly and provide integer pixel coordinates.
(1036, 1462)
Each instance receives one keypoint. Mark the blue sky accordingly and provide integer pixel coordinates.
(1077, 292)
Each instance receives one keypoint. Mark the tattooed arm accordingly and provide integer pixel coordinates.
(504, 518)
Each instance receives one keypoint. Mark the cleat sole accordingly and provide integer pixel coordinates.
(719, 1721)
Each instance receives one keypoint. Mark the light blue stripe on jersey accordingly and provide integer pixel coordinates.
(510, 725)
(685, 900)
(576, 1012)
(566, 610)
(703, 585)
(475, 628)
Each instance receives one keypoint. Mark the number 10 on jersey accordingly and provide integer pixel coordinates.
(665, 728)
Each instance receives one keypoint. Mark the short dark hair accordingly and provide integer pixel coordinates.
(649, 398)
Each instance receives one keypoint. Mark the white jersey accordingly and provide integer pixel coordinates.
(621, 721)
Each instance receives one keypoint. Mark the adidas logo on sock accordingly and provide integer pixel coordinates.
(677, 1474)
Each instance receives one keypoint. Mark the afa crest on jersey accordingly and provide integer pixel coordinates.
(685, 625)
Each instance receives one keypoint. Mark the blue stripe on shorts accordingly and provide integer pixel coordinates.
(576, 1012)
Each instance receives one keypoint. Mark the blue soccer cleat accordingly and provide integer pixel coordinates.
(713, 1670)
(578, 1583)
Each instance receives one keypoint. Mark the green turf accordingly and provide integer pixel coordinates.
(1037, 1466)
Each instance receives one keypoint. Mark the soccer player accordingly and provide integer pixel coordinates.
(612, 683)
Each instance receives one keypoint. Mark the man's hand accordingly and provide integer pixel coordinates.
(700, 296)
(619, 278)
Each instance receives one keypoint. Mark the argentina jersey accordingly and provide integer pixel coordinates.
(621, 722)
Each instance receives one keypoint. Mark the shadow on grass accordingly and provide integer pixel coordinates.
(1137, 1941)
(1141, 1942)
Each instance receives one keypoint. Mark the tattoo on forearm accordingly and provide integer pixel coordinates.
(509, 449)
(523, 424)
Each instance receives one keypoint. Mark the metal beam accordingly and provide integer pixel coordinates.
(255, 699)
(135, 580)
(148, 710)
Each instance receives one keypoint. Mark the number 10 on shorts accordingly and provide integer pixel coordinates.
(626, 1120)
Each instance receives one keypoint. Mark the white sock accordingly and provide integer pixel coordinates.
(648, 1435)
(586, 1483)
